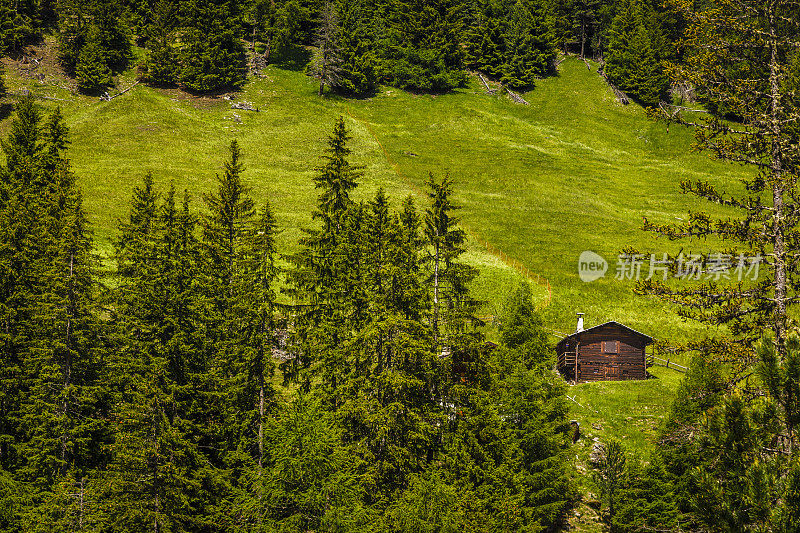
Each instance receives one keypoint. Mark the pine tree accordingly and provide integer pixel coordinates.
(507, 439)
(327, 63)
(251, 394)
(358, 69)
(634, 53)
(313, 482)
(529, 53)
(158, 375)
(115, 40)
(212, 56)
(47, 307)
(485, 39)
(451, 304)
(161, 67)
(278, 24)
(731, 470)
(72, 29)
(315, 276)
(91, 69)
(423, 46)
(562, 22)
(3, 88)
(231, 212)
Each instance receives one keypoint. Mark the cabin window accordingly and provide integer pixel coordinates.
(610, 347)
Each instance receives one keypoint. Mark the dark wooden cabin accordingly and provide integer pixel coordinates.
(608, 352)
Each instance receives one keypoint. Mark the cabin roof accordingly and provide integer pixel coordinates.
(647, 338)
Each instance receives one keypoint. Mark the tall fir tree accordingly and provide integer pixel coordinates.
(92, 70)
(423, 46)
(212, 57)
(326, 66)
(635, 53)
(452, 307)
(161, 66)
(732, 445)
(358, 73)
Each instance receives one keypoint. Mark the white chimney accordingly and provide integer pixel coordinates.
(580, 323)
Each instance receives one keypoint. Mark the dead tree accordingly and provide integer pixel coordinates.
(327, 64)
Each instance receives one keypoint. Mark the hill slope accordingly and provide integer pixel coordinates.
(573, 171)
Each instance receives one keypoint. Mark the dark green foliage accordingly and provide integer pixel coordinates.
(510, 41)
(448, 278)
(507, 442)
(161, 66)
(158, 375)
(51, 359)
(91, 69)
(529, 53)
(636, 50)
(358, 71)
(159, 410)
(278, 25)
(213, 56)
(312, 482)
(561, 15)
(423, 46)
(636, 497)
(610, 474)
(18, 25)
(93, 41)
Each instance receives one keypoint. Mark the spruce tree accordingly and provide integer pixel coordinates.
(161, 66)
(231, 212)
(92, 70)
(722, 483)
(358, 69)
(451, 305)
(158, 375)
(278, 25)
(528, 52)
(327, 62)
(634, 53)
(3, 88)
(485, 39)
(562, 21)
(423, 46)
(251, 393)
(51, 433)
(314, 276)
(212, 55)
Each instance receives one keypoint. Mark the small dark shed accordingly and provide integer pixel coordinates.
(608, 352)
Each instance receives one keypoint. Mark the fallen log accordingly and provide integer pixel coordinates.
(245, 106)
(683, 108)
(486, 84)
(26, 92)
(108, 98)
(514, 96)
(621, 96)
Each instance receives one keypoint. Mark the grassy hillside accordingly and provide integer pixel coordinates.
(573, 171)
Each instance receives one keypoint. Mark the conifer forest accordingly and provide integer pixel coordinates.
(205, 364)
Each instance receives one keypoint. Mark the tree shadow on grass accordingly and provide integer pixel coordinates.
(5, 110)
(294, 58)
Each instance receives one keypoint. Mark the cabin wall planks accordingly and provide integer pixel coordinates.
(608, 352)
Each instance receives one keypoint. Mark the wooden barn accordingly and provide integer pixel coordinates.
(608, 352)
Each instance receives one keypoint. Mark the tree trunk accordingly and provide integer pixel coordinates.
(583, 38)
(436, 295)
